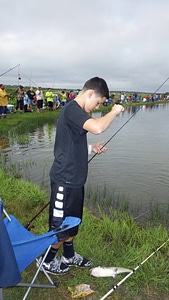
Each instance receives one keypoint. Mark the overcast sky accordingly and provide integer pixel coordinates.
(63, 43)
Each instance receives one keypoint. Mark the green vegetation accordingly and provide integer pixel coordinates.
(114, 240)
(17, 123)
(107, 201)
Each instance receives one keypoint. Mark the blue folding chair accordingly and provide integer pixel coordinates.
(19, 248)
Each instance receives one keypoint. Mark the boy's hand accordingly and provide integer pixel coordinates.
(117, 109)
(98, 148)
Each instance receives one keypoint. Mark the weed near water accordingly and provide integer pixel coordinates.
(17, 123)
(106, 200)
(109, 240)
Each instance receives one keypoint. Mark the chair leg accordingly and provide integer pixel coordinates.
(53, 284)
(1, 294)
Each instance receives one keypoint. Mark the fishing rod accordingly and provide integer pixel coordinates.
(28, 225)
(126, 122)
(115, 134)
(161, 85)
(9, 70)
(133, 271)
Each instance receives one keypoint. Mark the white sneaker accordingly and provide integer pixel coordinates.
(76, 260)
(55, 267)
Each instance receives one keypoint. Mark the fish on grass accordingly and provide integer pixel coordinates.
(108, 271)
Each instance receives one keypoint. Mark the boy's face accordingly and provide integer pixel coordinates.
(93, 101)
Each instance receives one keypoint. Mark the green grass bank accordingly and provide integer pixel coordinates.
(114, 240)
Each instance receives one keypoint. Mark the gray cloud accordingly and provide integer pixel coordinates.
(62, 43)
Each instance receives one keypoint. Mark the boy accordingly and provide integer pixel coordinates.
(69, 170)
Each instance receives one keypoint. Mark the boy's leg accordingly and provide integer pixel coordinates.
(56, 216)
(74, 207)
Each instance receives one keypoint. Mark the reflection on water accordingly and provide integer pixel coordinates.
(4, 144)
(136, 164)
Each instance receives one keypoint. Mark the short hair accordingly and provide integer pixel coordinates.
(97, 84)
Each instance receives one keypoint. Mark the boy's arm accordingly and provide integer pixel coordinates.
(99, 125)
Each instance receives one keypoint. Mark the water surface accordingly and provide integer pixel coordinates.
(135, 166)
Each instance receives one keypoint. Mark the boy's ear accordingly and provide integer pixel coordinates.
(91, 93)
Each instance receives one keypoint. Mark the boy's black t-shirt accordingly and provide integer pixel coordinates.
(70, 164)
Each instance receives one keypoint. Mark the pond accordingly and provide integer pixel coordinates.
(136, 165)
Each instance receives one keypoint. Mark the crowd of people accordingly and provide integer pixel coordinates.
(26, 100)
(136, 97)
(35, 100)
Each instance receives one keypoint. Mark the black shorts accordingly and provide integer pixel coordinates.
(65, 202)
(39, 103)
(50, 104)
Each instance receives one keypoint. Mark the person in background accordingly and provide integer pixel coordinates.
(63, 98)
(20, 93)
(71, 95)
(3, 101)
(70, 166)
(67, 98)
(31, 97)
(49, 97)
(26, 103)
(39, 99)
(55, 100)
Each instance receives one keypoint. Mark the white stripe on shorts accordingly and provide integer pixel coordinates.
(58, 213)
(59, 204)
(59, 196)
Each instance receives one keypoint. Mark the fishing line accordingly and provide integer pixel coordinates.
(132, 272)
(30, 80)
(142, 214)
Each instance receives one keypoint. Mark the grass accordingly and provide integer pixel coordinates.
(107, 200)
(17, 123)
(109, 240)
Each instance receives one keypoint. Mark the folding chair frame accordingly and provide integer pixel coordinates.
(32, 284)
(40, 268)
